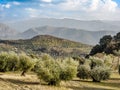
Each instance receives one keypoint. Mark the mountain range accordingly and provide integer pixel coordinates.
(88, 32)
(87, 37)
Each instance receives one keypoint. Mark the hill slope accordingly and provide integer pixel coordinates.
(47, 44)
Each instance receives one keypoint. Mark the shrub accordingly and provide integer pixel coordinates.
(25, 64)
(52, 71)
(100, 73)
(3, 61)
(47, 70)
(95, 63)
(83, 71)
(12, 62)
(68, 69)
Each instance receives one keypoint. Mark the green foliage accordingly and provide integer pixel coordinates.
(47, 70)
(25, 64)
(96, 49)
(83, 71)
(100, 73)
(93, 68)
(8, 61)
(3, 57)
(107, 44)
(105, 40)
(117, 37)
(13, 62)
(95, 62)
(52, 71)
(68, 69)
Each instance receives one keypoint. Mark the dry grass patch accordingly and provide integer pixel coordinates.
(13, 81)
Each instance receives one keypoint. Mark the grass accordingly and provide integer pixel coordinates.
(13, 81)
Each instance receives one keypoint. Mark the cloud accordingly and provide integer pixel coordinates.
(88, 5)
(48, 1)
(2, 6)
(16, 3)
(76, 9)
(32, 12)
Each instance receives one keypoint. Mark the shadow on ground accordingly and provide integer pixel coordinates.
(14, 81)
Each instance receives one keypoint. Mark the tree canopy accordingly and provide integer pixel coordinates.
(108, 45)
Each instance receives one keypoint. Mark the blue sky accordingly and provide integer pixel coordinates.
(75, 9)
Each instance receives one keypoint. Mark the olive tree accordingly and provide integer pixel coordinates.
(25, 63)
(54, 71)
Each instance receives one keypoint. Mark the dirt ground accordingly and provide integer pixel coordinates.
(13, 81)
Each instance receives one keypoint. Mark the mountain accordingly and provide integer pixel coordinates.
(79, 35)
(6, 32)
(46, 44)
(91, 25)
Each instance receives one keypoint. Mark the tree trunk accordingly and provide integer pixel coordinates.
(23, 73)
(95, 80)
(118, 65)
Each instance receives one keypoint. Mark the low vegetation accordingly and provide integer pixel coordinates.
(15, 62)
(95, 69)
(53, 72)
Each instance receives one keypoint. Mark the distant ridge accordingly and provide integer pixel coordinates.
(91, 25)
(78, 35)
(46, 44)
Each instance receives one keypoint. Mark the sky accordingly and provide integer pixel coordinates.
(74, 9)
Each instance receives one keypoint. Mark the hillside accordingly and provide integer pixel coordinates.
(47, 44)
(73, 34)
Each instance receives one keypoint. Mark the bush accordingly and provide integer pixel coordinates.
(3, 61)
(95, 63)
(100, 73)
(68, 69)
(47, 70)
(83, 71)
(8, 61)
(52, 71)
(12, 61)
(25, 63)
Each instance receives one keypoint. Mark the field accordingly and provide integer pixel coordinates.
(13, 81)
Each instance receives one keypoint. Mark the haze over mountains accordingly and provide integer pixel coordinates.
(88, 32)
(92, 25)
(88, 37)
(6, 32)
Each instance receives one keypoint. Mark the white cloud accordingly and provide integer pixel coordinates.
(48, 1)
(7, 6)
(16, 3)
(110, 5)
(88, 5)
(33, 12)
(2, 6)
